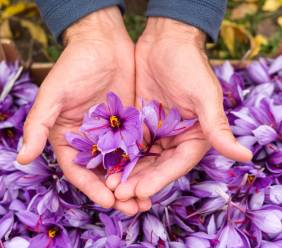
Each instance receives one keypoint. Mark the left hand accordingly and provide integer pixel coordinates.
(172, 68)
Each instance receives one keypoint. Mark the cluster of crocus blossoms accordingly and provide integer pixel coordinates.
(112, 135)
(220, 203)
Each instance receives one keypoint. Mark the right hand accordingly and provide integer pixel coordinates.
(98, 58)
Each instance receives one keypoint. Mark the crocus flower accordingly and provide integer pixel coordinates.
(121, 161)
(154, 230)
(16, 242)
(262, 121)
(89, 155)
(232, 85)
(210, 189)
(258, 71)
(161, 125)
(276, 66)
(268, 219)
(231, 236)
(217, 166)
(275, 194)
(49, 233)
(11, 122)
(109, 237)
(22, 90)
(116, 126)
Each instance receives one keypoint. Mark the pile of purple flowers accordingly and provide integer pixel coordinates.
(220, 203)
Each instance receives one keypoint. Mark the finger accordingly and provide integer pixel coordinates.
(126, 190)
(179, 162)
(144, 205)
(113, 181)
(40, 119)
(129, 207)
(85, 180)
(216, 128)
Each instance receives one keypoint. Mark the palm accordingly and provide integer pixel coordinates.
(80, 79)
(162, 82)
(93, 72)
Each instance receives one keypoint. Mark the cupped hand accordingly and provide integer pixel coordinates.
(172, 68)
(98, 58)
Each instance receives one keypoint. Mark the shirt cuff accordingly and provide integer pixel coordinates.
(58, 15)
(203, 14)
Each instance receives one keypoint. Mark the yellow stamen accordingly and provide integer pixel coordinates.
(3, 117)
(10, 133)
(114, 120)
(52, 233)
(160, 123)
(251, 179)
(94, 149)
(125, 156)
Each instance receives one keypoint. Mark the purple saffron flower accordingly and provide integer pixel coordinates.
(76, 218)
(199, 239)
(16, 242)
(262, 121)
(49, 233)
(275, 194)
(11, 122)
(258, 71)
(232, 85)
(22, 90)
(225, 71)
(276, 65)
(210, 189)
(274, 161)
(6, 224)
(109, 237)
(218, 167)
(89, 155)
(154, 230)
(121, 161)
(161, 125)
(231, 236)
(116, 126)
(267, 219)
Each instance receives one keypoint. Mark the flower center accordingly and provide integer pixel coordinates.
(9, 132)
(251, 179)
(53, 232)
(125, 156)
(114, 121)
(3, 117)
(94, 149)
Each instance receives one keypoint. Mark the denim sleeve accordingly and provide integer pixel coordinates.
(203, 14)
(58, 15)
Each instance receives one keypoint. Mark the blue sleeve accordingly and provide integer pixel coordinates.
(203, 14)
(58, 15)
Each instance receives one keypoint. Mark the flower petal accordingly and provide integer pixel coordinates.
(78, 142)
(265, 134)
(94, 162)
(114, 104)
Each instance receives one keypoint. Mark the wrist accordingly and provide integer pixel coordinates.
(104, 23)
(162, 27)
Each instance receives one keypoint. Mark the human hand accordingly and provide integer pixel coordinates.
(98, 58)
(172, 68)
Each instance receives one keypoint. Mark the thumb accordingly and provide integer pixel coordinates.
(215, 126)
(40, 119)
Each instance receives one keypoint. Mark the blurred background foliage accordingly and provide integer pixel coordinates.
(251, 28)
